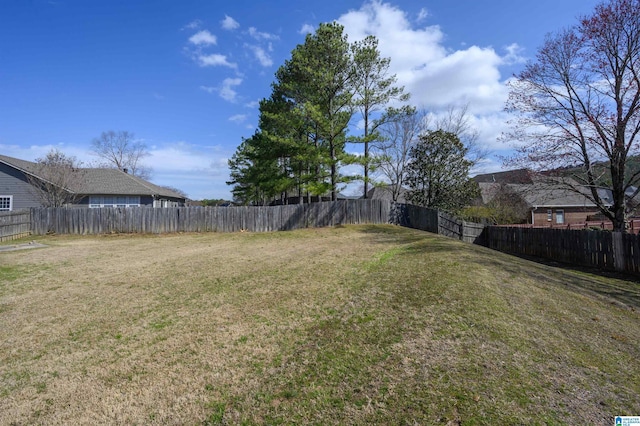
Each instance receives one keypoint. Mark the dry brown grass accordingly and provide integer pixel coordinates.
(328, 326)
(131, 329)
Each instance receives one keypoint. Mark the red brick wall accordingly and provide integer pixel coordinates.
(571, 215)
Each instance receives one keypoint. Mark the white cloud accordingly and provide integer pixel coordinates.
(422, 15)
(465, 76)
(208, 89)
(410, 49)
(197, 170)
(177, 157)
(262, 56)
(514, 55)
(436, 76)
(306, 29)
(215, 60)
(252, 104)
(228, 23)
(253, 32)
(238, 118)
(227, 91)
(33, 152)
(195, 24)
(204, 38)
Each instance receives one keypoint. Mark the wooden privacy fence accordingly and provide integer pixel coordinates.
(633, 225)
(202, 219)
(600, 249)
(612, 251)
(15, 224)
(438, 222)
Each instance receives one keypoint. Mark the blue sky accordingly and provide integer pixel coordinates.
(186, 76)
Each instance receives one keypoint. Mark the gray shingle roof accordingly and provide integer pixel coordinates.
(386, 193)
(519, 176)
(545, 193)
(101, 181)
(117, 182)
(25, 166)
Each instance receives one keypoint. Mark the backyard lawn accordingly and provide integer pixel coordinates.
(344, 325)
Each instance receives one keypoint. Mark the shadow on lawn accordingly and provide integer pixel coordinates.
(385, 234)
(620, 287)
(617, 287)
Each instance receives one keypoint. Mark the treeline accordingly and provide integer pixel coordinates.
(298, 149)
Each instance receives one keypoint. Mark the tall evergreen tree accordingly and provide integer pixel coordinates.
(303, 124)
(320, 77)
(374, 88)
(256, 173)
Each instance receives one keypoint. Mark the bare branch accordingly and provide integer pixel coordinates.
(122, 151)
(577, 107)
(56, 179)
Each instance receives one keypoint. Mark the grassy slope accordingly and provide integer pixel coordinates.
(355, 325)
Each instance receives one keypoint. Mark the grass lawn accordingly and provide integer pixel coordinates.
(346, 325)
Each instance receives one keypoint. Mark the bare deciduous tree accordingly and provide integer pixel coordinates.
(401, 128)
(122, 151)
(456, 120)
(578, 105)
(399, 131)
(55, 179)
(176, 190)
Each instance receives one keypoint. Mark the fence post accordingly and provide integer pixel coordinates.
(618, 251)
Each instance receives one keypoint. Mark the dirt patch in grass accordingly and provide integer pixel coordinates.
(349, 325)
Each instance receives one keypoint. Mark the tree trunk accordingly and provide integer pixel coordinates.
(618, 160)
(334, 171)
(366, 152)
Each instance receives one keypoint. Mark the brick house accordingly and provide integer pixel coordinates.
(548, 202)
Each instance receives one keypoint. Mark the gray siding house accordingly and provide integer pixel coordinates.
(97, 188)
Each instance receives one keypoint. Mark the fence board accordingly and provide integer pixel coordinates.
(431, 220)
(579, 247)
(199, 219)
(600, 249)
(15, 224)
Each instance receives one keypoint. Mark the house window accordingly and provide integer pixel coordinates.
(99, 201)
(6, 203)
(559, 216)
(549, 215)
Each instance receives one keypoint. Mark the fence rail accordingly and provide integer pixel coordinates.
(633, 225)
(14, 224)
(202, 219)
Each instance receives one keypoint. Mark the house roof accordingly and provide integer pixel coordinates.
(547, 195)
(100, 181)
(542, 192)
(22, 165)
(117, 182)
(385, 193)
(519, 176)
